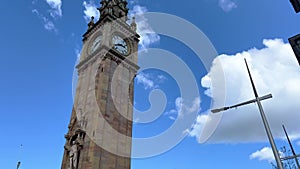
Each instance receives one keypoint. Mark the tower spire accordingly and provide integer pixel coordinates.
(117, 9)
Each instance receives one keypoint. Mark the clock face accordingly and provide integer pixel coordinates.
(95, 44)
(120, 45)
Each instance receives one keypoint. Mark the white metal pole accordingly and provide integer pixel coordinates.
(265, 122)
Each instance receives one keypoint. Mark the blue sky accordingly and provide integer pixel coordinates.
(40, 43)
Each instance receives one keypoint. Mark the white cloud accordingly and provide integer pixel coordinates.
(275, 70)
(148, 36)
(171, 112)
(55, 8)
(143, 79)
(172, 118)
(78, 53)
(179, 105)
(161, 78)
(265, 153)
(183, 107)
(90, 10)
(150, 81)
(197, 127)
(227, 5)
(48, 24)
(133, 2)
(48, 19)
(206, 83)
(195, 107)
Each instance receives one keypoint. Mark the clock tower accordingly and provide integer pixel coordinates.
(100, 129)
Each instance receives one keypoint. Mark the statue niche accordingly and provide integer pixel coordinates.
(73, 148)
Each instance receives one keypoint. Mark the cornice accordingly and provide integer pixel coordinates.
(116, 23)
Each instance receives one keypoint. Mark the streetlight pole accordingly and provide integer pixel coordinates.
(295, 156)
(265, 121)
(263, 116)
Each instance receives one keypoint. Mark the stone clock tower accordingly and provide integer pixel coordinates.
(100, 128)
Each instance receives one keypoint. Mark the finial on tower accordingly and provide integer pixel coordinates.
(117, 9)
(133, 24)
(91, 23)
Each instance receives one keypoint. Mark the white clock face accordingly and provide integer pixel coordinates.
(95, 44)
(120, 45)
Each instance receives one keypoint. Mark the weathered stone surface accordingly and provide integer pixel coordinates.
(101, 119)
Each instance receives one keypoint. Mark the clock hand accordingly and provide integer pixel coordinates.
(97, 43)
(119, 44)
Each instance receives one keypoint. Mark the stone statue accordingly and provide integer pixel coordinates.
(74, 155)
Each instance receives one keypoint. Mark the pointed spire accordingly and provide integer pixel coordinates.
(91, 23)
(114, 8)
(133, 24)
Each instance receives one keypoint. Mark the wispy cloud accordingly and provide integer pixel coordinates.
(48, 24)
(143, 79)
(172, 114)
(48, 16)
(148, 36)
(150, 81)
(197, 127)
(227, 5)
(161, 78)
(132, 2)
(270, 65)
(265, 153)
(183, 107)
(172, 118)
(90, 9)
(55, 10)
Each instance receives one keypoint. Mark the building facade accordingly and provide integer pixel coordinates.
(295, 44)
(100, 128)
